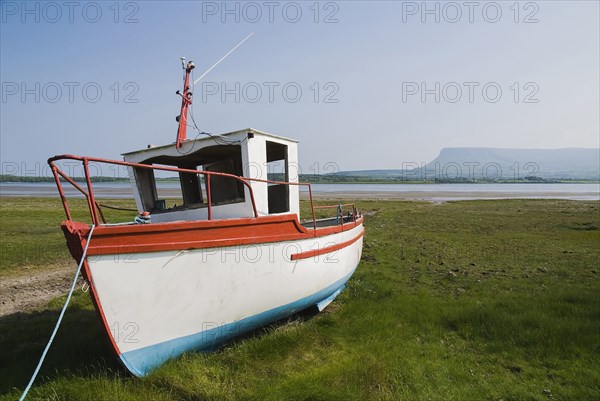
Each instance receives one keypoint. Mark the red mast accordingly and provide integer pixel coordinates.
(186, 100)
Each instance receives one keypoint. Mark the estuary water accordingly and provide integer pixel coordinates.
(430, 192)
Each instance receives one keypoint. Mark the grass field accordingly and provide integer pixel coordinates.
(481, 300)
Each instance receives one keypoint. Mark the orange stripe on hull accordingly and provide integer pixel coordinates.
(328, 249)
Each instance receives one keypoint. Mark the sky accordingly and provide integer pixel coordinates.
(361, 84)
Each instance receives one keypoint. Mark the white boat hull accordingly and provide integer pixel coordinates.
(157, 305)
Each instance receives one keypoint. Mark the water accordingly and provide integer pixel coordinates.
(432, 192)
(444, 192)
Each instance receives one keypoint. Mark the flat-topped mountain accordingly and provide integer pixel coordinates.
(497, 163)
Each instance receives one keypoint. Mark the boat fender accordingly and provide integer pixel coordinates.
(143, 218)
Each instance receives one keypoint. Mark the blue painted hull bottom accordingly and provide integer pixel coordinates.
(143, 360)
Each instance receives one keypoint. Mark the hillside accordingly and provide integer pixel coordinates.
(495, 163)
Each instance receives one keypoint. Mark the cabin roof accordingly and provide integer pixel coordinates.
(205, 139)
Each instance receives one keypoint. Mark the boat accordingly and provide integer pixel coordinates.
(232, 256)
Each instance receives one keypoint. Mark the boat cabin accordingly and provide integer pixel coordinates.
(253, 156)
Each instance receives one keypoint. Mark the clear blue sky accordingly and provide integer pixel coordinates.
(373, 58)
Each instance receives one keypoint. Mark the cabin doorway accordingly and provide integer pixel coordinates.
(278, 170)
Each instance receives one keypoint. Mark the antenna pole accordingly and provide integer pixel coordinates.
(186, 100)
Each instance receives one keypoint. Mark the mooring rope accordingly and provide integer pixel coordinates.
(117, 207)
(60, 317)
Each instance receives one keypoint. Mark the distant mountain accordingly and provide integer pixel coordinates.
(493, 164)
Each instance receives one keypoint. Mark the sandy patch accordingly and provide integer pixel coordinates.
(35, 290)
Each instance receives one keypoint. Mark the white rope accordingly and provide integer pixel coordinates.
(223, 58)
(60, 317)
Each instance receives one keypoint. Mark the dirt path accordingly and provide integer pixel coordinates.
(30, 292)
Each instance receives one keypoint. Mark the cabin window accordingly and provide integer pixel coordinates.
(159, 191)
(277, 170)
(190, 192)
(225, 189)
(146, 185)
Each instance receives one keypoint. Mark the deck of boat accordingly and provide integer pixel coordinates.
(328, 222)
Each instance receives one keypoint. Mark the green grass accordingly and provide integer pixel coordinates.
(482, 300)
(30, 235)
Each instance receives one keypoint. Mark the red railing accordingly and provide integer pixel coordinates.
(89, 194)
(96, 211)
